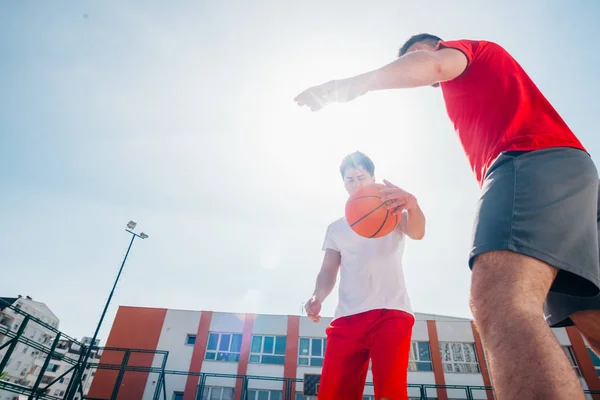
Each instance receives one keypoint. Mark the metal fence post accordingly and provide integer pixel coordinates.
(44, 367)
(13, 344)
(75, 374)
(200, 392)
(117, 386)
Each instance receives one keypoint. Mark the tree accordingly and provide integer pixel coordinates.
(3, 376)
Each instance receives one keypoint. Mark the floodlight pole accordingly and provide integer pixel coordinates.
(79, 372)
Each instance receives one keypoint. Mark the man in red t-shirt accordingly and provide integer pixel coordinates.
(535, 241)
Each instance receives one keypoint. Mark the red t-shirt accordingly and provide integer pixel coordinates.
(496, 107)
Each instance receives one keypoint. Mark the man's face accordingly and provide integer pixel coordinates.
(424, 46)
(356, 178)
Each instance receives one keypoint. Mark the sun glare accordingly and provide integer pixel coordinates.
(297, 145)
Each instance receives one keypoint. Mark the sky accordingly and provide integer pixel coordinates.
(180, 116)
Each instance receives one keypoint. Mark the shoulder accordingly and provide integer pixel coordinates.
(474, 43)
(338, 225)
(470, 48)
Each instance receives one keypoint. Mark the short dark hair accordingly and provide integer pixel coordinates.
(421, 37)
(355, 160)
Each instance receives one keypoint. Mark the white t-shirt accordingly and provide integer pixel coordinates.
(371, 274)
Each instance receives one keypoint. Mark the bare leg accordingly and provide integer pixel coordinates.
(526, 361)
(588, 323)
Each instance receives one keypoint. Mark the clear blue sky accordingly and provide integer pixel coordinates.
(180, 117)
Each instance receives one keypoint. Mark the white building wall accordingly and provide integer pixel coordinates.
(421, 378)
(464, 379)
(220, 367)
(435, 317)
(24, 364)
(420, 332)
(265, 370)
(275, 325)
(270, 325)
(308, 328)
(178, 324)
(59, 388)
(455, 332)
(227, 323)
(561, 335)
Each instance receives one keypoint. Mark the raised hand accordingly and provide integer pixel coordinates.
(343, 90)
(397, 199)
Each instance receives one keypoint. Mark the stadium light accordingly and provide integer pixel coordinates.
(76, 381)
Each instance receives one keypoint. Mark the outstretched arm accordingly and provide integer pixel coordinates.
(415, 69)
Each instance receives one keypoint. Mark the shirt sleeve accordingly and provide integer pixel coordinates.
(467, 47)
(329, 242)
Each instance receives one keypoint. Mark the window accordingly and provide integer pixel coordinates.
(264, 394)
(569, 352)
(177, 395)
(595, 360)
(191, 340)
(459, 357)
(217, 393)
(268, 349)
(420, 357)
(53, 367)
(224, 347)
(311, 351)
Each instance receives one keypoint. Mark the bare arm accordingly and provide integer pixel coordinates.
(415, 69)
(412, 223)
(328, 274)
(418, 68)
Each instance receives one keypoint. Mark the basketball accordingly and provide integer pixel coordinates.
(367, 215)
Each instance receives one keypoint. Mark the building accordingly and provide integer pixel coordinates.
(56, 368)
(446, 351)
(25, 363)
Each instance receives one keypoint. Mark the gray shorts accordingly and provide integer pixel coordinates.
(544, 204)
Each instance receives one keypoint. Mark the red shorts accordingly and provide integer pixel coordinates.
(380, 335)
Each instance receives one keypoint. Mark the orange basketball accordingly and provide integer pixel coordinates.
(367, 215)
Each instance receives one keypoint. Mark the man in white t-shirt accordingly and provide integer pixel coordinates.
(374, 318)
